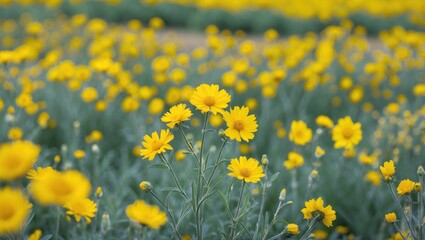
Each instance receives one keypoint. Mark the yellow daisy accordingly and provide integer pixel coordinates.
(176, 115)
(81, 208)
(146, 214)
(14, 210)
(387, 170)
(346, 134)
(208, 98)
(156, 144)
(240, 125)
(313, 207)
(294, 160)
(300, 134)
(244, 169)
(405, 187)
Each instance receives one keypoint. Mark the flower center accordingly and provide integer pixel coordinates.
(347, 133)
(12, 162)
(238, 125)
(6, 211)
(156, 145)
(245, 172)
(209, 101)
(60, 187)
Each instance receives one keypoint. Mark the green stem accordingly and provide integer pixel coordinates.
(236, 217)
(174, 225)
(421, 208)
(174, 175)
(216, 162)
(263, 200)
(402, 210)
(311, 227)
(273, 220)
(57, 222)
(198, 210)
(399, 231)
(189, 145)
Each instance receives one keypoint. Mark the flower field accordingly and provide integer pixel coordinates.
(132, 131)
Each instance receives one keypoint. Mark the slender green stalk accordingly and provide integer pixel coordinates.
(217, 161)
(402, 210)
(176, 180)
(58, 213)
(263, 200)
(421, 208)
(294, 186)
(173, 221)
(399, 231)
(311, 227)
(236, 217)
(189, 145)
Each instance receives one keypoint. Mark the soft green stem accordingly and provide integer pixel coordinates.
(57, 222)
(273, 220)
(402, 210)
(294, 185)
(174, 225)
(216, 162)
(421, 208)
(263, 200)
(189, 145)
(399, 231)
(236, 217)
(311, 227)
(176, 180)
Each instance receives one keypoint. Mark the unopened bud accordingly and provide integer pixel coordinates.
(282, 195)
(264, 160)
(64, 149)
(95, 148)
(319, 131)
(99, 192)
(146, 186)
(314, 173)
(418, 187)
(57, 159)
(76, 124)
(221, 134)
(105, 225)
(421, 171)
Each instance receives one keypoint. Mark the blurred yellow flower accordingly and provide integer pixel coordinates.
(405, 187)
(79, 154)
(15, 133)
(294, 160)
(293, 229)
(156, 106)
(156, 144)
(81, 208)
(315, 206)
(89, 94)
(324, 121)
(17, 158)
(240, 125)
(300, 134)
(36, 235)
(129, 104)
(145, 214)
(247, 170)
(346, 134)
(14, 210)
(176, 115)
(390, 217)
(208, 98)
(373, 177)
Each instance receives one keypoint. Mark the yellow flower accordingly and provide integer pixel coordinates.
(89, 94)
(346, 134)
(54, 187)
(81, 208)
(387, 170)
(40, 173)
(161, 64)
(368, 159)
(244, 169)
(293, 229)
(208, 98)
(156, 144)
(36, 235)
(240, 125)
(373, 177)
(145, 186)
(156, 106)
(14, 210)
(176, 115)
(320, 235)
(319, 152)
(130, 104)
(405, 187)
(15, 133)
(146, 214)
(294, 160)
(390, 217)
(313, 207)
(17, 158)
(324, 121)
(79, 154)
(300, 134)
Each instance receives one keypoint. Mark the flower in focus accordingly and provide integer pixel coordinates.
(81, 208)
(240, 125)
(145, 186)
(156, 144)
(313, 207)
(324, 121)
(390, 217)
(294, 160)
(17, 158)
(14, 210)
(176, 115)
(293, 229)
(146, 214)
(208, 98)
(245, 169)
(59, 187)
(300, 134)
(405, 187)
(387, 170)
(346, 134)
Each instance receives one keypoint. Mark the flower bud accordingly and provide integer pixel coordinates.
(105, 224)
(264, 160)
(76, 124)
(99, 192)
(282, 195)
(95, 149)
(146, 186)
(57, 159)
(221, 134)
(421, 171)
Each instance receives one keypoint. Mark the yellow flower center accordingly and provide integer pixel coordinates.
(209, 101)
(238, 125)
(12, 162)
(347, 133)
(6, 211)
(245, 172)
(156, 145)
(60, 187)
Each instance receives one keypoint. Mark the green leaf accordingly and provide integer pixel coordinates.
(225, 202)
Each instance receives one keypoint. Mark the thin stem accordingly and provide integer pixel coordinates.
(399, 231)
(273, 220)
(174, 175)
(235, 218)
(57, 222)
(263, 200)
(311, 227)
(216, 161)
(174, 225)
(294, 186)
(402, 210)
(189, 145)
(421, 208)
